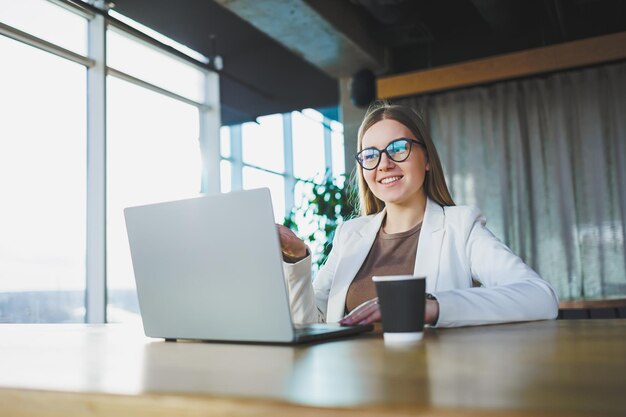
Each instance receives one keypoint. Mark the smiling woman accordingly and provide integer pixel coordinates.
(409, 225)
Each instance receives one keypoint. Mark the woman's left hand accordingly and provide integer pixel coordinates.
(369, 312)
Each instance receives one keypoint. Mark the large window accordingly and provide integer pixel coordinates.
(55, 251)
(286, 153)
(95, 119)
(42, 172)
(153, 155)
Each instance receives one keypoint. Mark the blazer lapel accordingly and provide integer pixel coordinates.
(429, 245)
(356, 250)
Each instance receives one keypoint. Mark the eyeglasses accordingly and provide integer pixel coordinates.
(398, 151)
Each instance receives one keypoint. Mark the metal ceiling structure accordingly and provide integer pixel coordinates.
(282, 55)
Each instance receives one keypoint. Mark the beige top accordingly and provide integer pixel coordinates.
(391, 254)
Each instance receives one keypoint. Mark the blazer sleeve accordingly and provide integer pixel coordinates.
(309, 301)
(511, 290)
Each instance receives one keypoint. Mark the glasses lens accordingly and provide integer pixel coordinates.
(368, 158)
(398, 150)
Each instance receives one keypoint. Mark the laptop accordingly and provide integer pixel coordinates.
(210, 268)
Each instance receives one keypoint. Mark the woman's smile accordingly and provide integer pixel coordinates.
(391, 180)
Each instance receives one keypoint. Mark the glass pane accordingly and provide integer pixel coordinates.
(262, 143)
(47, 21)
(225, 141)
(42, 178)
(255, 178)
(308, 146)
(147, 63)
(153, 155)
(225, 176)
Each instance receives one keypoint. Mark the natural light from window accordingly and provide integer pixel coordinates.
(47, 21)
(153, 155)
(42, 178)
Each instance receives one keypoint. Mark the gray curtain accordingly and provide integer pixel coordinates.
(545, 158)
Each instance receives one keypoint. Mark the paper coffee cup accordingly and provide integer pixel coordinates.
(402, 304)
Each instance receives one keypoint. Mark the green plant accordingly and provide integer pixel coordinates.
(317, 218)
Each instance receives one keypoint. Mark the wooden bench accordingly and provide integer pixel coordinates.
(593, 309)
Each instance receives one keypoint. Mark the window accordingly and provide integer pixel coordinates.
(157, 149)
(308, 145)
(42, 178)
(50, 216)
(262, 143)
(134, 58)
(279, 152)
(154, 152)
(153, 155)
(47, 21)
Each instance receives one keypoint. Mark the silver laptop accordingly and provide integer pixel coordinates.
(210, 268)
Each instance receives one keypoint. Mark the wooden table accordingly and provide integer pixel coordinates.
(550, 368)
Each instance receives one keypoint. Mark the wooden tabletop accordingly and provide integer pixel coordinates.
(549, 368)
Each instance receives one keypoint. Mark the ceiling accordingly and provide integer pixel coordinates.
(282, 55)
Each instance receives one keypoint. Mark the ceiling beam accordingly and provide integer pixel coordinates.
(329, 34)
(560, 57)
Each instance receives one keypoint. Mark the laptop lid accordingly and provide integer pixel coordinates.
(210, 268)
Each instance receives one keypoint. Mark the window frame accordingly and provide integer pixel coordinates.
(98, 22)
(237, 163)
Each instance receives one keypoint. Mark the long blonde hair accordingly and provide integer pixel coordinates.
(434, 183)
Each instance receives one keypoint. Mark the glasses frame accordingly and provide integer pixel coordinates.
(385, 150)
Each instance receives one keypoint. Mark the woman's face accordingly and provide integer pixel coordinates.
(399, 183)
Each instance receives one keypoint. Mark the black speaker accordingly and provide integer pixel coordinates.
(363, 88)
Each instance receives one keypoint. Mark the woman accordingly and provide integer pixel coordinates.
(409, 225)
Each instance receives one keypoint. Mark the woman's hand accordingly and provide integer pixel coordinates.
(292, 246)
(431, 315)
(369, 312)
(366, 313)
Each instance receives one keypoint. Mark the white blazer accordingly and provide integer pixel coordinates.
(454, 247)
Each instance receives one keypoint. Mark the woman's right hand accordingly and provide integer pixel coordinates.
(292, 246)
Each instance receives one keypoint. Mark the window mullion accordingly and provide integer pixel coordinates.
(237, 156)
(328, 147)
(95, 302)
(210, 122)
(290, 181)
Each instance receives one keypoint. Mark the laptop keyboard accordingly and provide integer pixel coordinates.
(308, 329)
(319, 331)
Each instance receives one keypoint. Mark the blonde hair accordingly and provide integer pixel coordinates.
(435, 185)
